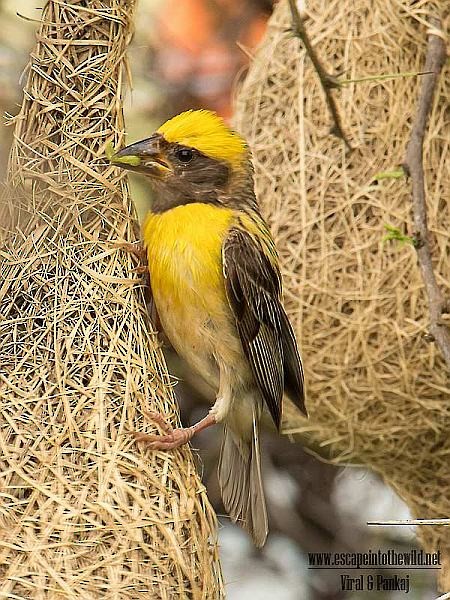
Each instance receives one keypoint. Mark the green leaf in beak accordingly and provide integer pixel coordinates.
(133, 161)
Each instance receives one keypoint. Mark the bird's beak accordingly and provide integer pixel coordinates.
(143, 157)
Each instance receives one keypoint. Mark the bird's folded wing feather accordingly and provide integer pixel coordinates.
(253, 288)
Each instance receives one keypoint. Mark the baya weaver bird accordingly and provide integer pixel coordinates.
(216, 287)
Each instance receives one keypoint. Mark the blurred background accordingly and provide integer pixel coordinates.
(191, 54)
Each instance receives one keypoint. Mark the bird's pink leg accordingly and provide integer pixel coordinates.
(173, 438)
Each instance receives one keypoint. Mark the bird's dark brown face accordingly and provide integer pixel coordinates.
(174, 166)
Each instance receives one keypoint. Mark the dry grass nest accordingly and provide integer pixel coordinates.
(84, 512)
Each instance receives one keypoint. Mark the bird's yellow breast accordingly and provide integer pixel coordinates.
(184, 247)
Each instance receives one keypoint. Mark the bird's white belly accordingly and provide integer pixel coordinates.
(188, 332)
(203, 332)
(206, 342)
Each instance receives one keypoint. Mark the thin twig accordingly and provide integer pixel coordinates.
(386, 76)
(328, 81)
(413, 166)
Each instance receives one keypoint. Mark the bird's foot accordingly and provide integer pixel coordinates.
(135, 248)
(172, 438)
(138, 250)
(141, 270)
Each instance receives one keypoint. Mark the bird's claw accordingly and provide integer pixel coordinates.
(135, 248)
(172, 438)
(141, 270)
(177, 438)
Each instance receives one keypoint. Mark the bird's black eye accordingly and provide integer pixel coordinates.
(184, 155)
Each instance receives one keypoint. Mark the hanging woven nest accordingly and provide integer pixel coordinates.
(85, 513)
(378, 391)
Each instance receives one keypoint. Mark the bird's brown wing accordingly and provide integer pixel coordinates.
(253, 288)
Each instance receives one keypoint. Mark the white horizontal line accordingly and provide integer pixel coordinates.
(412, 522)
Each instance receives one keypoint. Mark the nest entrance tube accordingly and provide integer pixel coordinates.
(378, 391)
(85, 513)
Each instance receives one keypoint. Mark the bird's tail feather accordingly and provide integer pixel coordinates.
(241, 482)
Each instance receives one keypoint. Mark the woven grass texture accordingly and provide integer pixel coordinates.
(85, 512)
(378, 391)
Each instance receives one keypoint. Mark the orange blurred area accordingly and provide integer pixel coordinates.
(187, 25)
(200, 48)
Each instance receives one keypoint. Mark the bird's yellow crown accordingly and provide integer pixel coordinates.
(205, 131)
